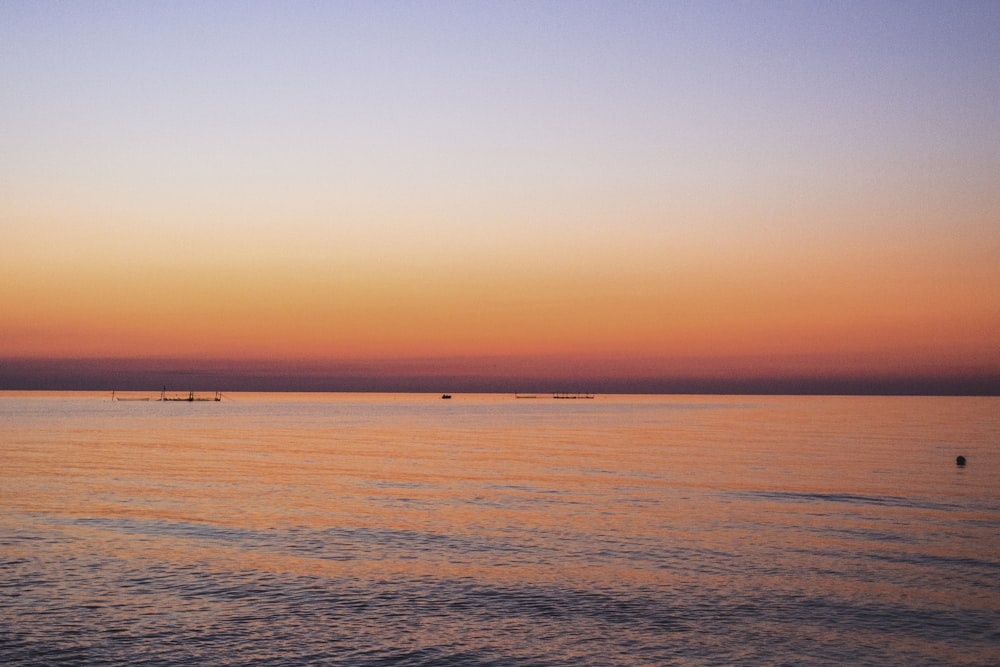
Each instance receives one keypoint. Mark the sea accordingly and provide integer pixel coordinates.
(486, 529)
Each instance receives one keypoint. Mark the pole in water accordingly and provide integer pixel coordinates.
(960, 461)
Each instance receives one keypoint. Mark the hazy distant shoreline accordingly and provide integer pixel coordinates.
(408, 376)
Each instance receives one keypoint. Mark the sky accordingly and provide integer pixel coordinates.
(620, 192)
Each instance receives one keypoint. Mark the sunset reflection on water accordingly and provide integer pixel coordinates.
(358, 529)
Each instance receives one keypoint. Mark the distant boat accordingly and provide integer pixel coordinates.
(572, 395)
(445, 395)
(516, 395)
(128, 398)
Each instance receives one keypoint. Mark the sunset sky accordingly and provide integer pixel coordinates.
(513, 191)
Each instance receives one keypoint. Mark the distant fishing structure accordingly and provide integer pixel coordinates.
(561, 395)
(190, 398)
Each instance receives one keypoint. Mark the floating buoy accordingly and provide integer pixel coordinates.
(960, 461)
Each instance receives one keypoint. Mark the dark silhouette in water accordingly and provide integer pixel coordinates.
(960, 461)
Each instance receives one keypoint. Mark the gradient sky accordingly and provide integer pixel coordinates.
(630, 187)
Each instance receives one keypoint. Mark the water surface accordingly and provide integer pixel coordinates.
(367, 529)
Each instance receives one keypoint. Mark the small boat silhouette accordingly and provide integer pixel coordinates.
(128, 398)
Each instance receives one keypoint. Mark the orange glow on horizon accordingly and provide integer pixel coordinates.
(895, 317)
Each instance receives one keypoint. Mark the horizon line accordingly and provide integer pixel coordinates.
(376, 376)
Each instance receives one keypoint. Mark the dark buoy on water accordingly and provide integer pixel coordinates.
(960, 461)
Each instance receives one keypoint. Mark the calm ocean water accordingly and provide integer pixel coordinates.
(355, 529)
